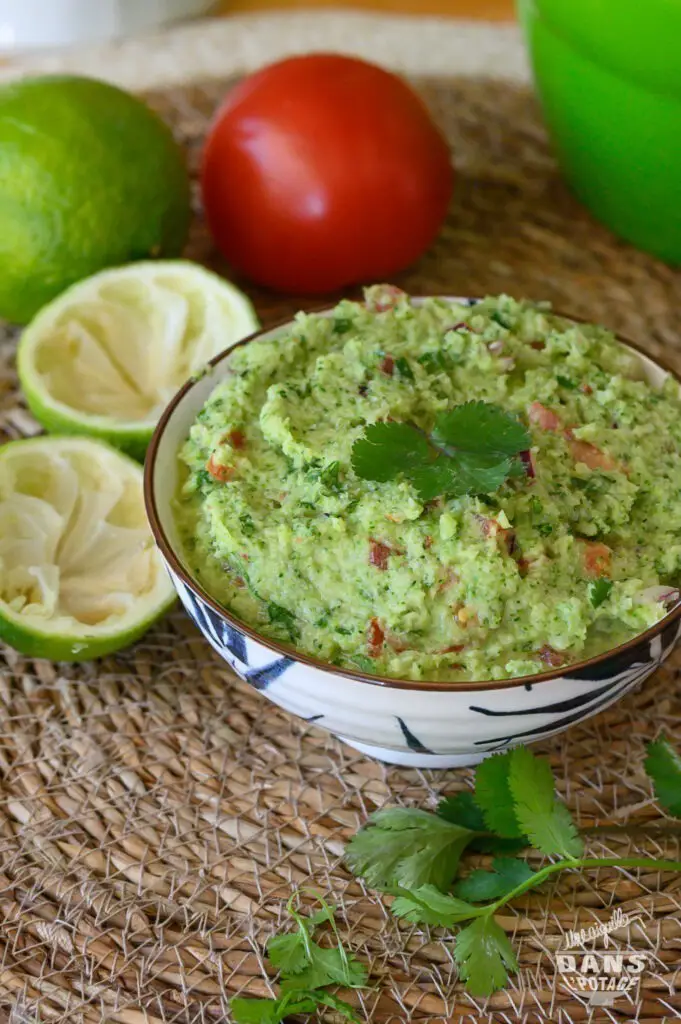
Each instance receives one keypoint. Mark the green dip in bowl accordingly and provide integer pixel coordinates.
(569, 557)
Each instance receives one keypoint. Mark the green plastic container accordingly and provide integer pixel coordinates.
(608, 74)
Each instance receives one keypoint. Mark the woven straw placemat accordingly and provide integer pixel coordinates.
(155, 811)
(218, 47)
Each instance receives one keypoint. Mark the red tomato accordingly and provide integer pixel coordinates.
(323, 171)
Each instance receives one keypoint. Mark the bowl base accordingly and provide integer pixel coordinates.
(415, 758)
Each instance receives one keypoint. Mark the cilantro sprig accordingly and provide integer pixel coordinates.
(306, 972)
(415, 855)
(406, 853)
(472, 449)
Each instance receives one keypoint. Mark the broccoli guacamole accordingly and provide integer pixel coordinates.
(574, 548)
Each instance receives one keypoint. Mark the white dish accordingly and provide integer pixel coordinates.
(423, 724)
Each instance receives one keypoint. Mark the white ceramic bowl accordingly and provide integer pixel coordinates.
(424, 724)
(28, 24)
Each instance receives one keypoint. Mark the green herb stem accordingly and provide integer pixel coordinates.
(341, 948)
(583, 862)
(300, 921)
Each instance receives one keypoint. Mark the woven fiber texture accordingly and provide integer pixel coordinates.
(219, 47)
(155, 812)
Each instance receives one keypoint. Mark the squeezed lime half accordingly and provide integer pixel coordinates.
(105, 357)
(80, 575)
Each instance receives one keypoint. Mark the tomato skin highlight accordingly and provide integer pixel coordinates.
(376, 639)
(324, 171)
(379, 554)
(545, 419)
(597, 559)
(220, 473)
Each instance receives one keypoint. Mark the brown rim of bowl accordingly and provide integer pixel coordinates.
(288, 651)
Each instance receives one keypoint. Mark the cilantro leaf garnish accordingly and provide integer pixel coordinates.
(461, 809)
(663, 765)
(543, 818)
(290, 953)
(270, 1011)
(599, 590)
(493, 796)
(388, 449)
(403, 846)
(515, 792)
(306, 969)
(485, 955)
(327, 967)
(479, 428)
(427, 905)
(506, 874)
(287, 953)
(463, 474)
(472, 449)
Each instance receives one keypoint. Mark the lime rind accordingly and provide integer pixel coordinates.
(128, 440)
(90, 177)
(104, 358)
(35, 644)
(80, 576)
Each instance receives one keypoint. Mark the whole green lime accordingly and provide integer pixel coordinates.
(90, 178)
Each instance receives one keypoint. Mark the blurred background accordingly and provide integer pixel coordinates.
(487, 9)
(607, 76)
(28, 24)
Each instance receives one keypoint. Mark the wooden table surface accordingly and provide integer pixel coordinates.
(486, 10)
